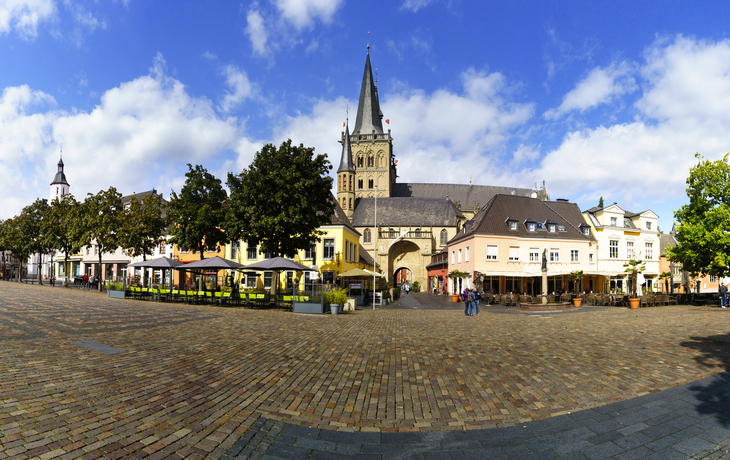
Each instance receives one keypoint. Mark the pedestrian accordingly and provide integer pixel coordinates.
(723, 295)
(407, 287)
(465, 298)
(471, 302)
(86, 281)
(477, 299)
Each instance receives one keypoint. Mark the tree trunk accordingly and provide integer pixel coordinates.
(66, 270)
(98, 273)
(40, 267)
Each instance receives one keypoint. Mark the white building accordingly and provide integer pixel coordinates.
(622, 235)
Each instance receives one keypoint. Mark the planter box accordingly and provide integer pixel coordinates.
(116, 294)
(311, 308)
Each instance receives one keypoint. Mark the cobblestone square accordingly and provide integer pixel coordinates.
(193, 379)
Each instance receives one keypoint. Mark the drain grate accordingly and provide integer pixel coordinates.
(100, 347)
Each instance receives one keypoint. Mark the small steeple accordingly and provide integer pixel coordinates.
(346, 163)
(369, 116)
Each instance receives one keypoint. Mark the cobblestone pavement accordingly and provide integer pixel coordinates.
(417, 377)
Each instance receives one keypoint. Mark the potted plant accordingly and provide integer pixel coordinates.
(633, 268)
(454, 275)
(337, 298)
(577, 276)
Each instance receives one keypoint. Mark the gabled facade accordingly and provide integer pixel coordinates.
(502, 247)
(621, 236)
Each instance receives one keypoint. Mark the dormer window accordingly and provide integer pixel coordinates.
(648, 225)
(512, 223)
(551, 226)
(531, 225)
(613, 221)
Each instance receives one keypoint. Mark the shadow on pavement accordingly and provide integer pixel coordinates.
(714, 396)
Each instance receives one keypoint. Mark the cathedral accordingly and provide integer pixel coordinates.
(414, 220)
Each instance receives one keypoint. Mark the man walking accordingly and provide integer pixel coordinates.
(723, 295)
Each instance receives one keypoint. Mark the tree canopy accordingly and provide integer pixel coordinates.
(144, 225)
(64, 227)
(33, 230)
(703, 225)
(281, 200)
(198, 212)
(102, 221)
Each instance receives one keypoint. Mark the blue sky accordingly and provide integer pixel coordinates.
(607, 99)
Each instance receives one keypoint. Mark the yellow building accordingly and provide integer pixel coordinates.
(337, 251)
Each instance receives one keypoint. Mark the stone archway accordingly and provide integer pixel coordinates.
(402, 274)
(404, 254)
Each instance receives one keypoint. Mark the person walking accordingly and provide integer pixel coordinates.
(723, 295)
(477, 299)
(465, 298)
(86, 281)
(407, 287)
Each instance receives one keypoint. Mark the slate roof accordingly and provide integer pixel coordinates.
(468, 196)
(365, 258)
(60, 178)
(666, 241)
(368, 108)
(346, 163)
(492, 219)
(340, 218)
(406, 212)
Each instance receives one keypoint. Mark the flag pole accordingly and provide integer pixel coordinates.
(375, 253)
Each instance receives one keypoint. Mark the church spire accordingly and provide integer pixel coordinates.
(369, 116)
(346, 163)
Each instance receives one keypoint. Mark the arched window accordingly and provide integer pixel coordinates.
(350, 203)
(359, 183)
(359, 162)
(370, 183)
(351, 182)
(370, 162)
(418, 233)
(344, 203)
(444, 236)
(366, 235)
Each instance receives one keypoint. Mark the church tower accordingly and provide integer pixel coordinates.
(372, 148)
(59, 186)
(346, 175)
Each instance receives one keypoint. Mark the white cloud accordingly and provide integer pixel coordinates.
(303, 13)
(24, 16)
(600, 86)
(240, 88)
(415, 5)
(685, 108)
(256, 31)
(130, 140)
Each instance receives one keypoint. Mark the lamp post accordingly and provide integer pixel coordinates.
(375, 253)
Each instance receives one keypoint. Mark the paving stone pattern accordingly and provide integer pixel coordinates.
(416, 378)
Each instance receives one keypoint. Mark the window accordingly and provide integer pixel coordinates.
(289, 279)
(713, 279)
(514, 253)
(366, 236)
(251, 252)
(347, 251)
(491, 252)
(629, 249)
(590, 257)
(267, 280)
(349, 206)
(88, 250)
(444, 236)
(310, 251)
(554, 255)
(551, 228)
(613, 249)
(359, 164)
(512, 225)
(649, 250)
(354, 253)
(371, 161)
(328, 277)
(96, 250)
(466, 255)
(351, 178)
(251, 281)
(453, 257)
(613, 221)
(235, 248)
(534, 255)
(329, 249)
(586, 231)
(359, 183)
(370, 183)
(531, 226)
(574, 255)
(648, 225)
(458, 256)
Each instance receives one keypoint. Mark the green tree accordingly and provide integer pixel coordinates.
(600, 202)
(144, 225)
(281, 200)
(703, 225)
(577, 276)
(31, 221)
(64, 228)
(633, 268)
(197, 214)
(12, 240)
(103, 219)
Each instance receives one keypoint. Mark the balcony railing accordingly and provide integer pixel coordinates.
(415, 235)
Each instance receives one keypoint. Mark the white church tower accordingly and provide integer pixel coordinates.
(59, 186)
